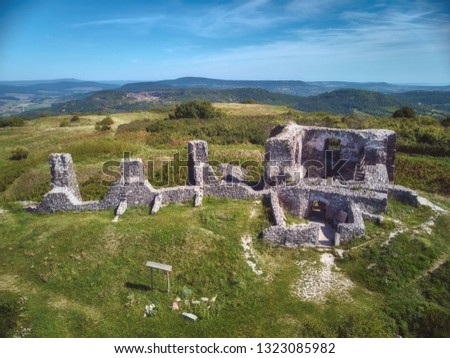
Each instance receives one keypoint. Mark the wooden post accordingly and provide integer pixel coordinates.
(168, 281)
(163, 267)
(151, 278)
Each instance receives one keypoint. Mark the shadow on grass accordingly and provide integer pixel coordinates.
(137, 286)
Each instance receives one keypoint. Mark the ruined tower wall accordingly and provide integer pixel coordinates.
(199, 170)
(63, 174)
(314, 144)
(294, 150)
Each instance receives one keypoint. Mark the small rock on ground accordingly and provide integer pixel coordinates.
(190, 316)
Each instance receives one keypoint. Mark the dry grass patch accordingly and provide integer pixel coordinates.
(252, 109)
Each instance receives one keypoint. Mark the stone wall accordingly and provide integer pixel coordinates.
(277, 211)
(376, 174)
(199, 170)
(232, 173)
(63, 174)
(298, 199)
(65, 194)
(295, 151)
(288, 151)
(354, 228)
(404, 194)
(232, 191)
(294, 235)
(177, 194)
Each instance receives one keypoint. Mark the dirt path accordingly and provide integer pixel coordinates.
(436, 265)
(249, 254)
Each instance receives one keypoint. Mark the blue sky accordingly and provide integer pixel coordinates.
(392, 41)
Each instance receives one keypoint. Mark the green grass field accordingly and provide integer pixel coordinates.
(79, 275)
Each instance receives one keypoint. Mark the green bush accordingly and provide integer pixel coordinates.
(19, 153)
(104, 124)
(404, 112)
(195, 109)
(9, 313)
(75, 118)
(102, 127)
(446, 122)
(107, 121)
(135, 126)
(11, 122)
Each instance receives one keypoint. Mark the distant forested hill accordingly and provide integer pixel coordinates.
(63, 87)
(68, 96)
(142, 96)
(437, 100)
(298, 88)
(120, 100)
(347, 101)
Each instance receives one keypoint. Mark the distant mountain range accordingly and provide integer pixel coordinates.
(56, 87)
(297, 88)
(68, 96)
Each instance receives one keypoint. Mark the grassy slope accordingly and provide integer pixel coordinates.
(83, 276)
(76, 274)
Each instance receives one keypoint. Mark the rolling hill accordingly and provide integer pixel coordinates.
(69, 96)
(343, 101)
(298, 88)
(20, 96)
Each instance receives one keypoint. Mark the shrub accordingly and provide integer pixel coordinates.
(446, 122)
(104, 124)
(12, 122)
(195, 109)
(102, 127)
(135, 126)
(107, 121)
(64, 123)
(19, 153)
(75, 118)
(17, 122)
(404, 112)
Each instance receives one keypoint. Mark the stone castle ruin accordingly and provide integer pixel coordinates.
(334, 178)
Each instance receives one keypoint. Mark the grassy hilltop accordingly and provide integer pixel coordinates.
(79, 275)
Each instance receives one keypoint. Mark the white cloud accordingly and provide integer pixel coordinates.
(232, 19)
(387, 46)
(146, 20)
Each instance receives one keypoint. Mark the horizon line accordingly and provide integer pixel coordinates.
(439, 84)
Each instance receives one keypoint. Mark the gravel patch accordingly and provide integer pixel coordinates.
(320, 279)
(249, 254)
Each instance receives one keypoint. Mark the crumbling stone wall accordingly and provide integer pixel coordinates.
(298, 199)
(295, 151)
(65, 194)
(355, 228)
(232, 173)
(232, 191)
(294, 235)
(404, 194)
(289, 150)
(199, 170)
(277, 211)
(63, 174)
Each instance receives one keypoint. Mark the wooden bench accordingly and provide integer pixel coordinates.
(159, 266)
